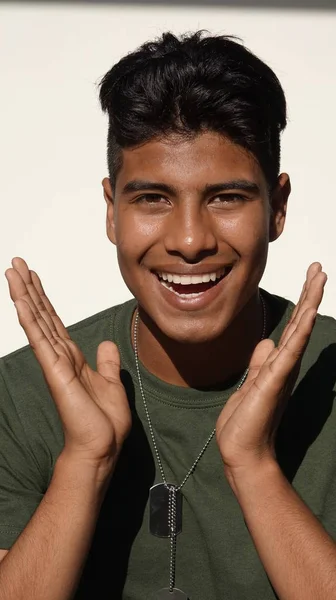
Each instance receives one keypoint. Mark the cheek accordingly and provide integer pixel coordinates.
(247, 233)
(135, 235)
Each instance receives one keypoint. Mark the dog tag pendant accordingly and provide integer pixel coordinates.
(176, 594)
(159, 520)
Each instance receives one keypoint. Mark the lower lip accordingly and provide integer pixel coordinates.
(200, 301)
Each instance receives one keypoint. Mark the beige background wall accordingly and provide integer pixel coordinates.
(52, 143)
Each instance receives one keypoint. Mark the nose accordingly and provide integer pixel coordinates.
(190, 233)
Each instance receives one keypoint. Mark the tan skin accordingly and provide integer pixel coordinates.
(247, 425)
(77, 389)
(191, 228)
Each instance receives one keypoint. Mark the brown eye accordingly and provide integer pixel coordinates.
(151, 198)
(227, 199)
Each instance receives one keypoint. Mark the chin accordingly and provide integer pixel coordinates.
(192, 330)
(193, 318)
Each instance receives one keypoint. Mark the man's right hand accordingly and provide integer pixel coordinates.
(92, 405)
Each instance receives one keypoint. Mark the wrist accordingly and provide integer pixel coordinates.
(260, 474)
(77, 471)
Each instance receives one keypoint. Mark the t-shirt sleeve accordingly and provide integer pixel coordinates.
(22, 484)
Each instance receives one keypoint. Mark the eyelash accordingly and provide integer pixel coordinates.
(150, 198)
(154, 198)
(231, 197)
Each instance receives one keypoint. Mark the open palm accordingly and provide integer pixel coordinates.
(92, 404)
(248, 423)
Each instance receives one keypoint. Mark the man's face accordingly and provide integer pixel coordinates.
(191, 220)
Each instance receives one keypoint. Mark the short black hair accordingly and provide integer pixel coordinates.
(192, 83)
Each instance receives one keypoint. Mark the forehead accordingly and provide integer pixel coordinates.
(190, 163)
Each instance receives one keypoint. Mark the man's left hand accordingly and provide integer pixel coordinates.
(247, 425)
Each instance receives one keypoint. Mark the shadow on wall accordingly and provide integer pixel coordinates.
(286, 4)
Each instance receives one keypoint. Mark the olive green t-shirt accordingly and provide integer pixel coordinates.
(216, 558)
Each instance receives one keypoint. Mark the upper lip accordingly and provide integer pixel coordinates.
(190, 269)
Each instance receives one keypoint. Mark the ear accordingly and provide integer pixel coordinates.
(279, 200)
(108, 195)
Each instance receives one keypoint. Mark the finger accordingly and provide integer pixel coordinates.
(287, 333)
(313, 298)
(66, 389)
(263, 396)
(260, 355)
(273, 369)
(263, 350)
(22, 286)
(312, 270)
(276, 372)
(108, 361)
(60, 328)
(314, 293)
(39, 342)
(18, 291)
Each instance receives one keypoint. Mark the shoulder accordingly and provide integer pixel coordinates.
(325, 329)
(321, 349)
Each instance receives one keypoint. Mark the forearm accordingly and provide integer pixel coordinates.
(297, 553)
(46, 561)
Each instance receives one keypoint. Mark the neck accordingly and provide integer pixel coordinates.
(209, 364)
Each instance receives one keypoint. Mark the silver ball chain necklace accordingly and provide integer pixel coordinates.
(165, 499)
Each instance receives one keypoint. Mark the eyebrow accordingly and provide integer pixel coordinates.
(140, 185)
(235, 184)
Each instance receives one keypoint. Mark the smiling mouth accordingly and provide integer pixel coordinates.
(192, 286)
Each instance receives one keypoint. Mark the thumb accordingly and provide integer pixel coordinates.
(108, 361)
(260, 355)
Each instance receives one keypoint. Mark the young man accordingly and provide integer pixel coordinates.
(181, 445)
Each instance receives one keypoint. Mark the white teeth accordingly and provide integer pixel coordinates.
(191, 279)
(192, 295)
(168, 278)
(196, 279)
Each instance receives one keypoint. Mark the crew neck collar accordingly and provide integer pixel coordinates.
(179, 396)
